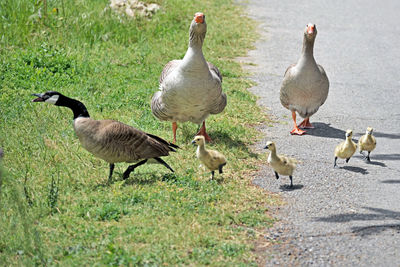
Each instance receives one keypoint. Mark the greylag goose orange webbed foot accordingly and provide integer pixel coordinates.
(296, 130)
(203, 132)
(306, 124)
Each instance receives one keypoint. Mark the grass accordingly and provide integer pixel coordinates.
(56, 208)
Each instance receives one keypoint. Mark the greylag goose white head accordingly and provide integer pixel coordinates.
(190, 88)
(305, 84)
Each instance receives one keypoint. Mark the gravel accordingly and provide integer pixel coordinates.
(348, 216)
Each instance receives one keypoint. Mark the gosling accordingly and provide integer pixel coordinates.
(212, 159)
(110, 140)
(346, 149)
(280, 164)
(367, 142)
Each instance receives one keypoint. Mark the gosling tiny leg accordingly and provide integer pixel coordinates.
(368, 159)
(276, 175)
(291, 181)
(334, 164)
(212, 175)
(347, 160)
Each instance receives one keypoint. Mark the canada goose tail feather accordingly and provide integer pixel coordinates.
(159, 139)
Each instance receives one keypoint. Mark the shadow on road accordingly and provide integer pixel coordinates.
(386, 156)
(355, 169)
(385, 135)
(288, 188)
(325, 130)
(377, 215)
(391, 181)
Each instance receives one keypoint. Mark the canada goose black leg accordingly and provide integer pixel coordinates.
(291, 181)
(132, 168)
(334, 164)
(221, 166)
(276, 175)
(347, 160)
(164, 163)
(112, 165)
(212, 175)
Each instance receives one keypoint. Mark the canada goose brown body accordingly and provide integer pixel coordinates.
(305, 84)
(190, 89)
(111, 140)
(212, 159)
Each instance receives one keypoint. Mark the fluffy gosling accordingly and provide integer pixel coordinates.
(367, 142)
(346, 149)
(212, 159)
(280, 164)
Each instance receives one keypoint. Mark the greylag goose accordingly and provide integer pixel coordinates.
(212, 159)
(280, 164)
(346, 149)
(110, 140)
(305, 84)
(190, 89)
(367, 142)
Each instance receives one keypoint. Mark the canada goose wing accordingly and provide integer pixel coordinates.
(168, 68)
(214, 69)
(288, 68)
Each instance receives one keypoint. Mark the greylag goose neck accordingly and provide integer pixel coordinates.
(191, 88)
(111, 140)
(305, 84)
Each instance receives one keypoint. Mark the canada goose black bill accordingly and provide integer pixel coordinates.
(111, 140)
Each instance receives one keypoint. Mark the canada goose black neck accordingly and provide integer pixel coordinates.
(77, 107)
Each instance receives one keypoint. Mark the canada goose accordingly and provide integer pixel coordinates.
(346, 149)
(212, 159)
(367, 142)
(280, 164)
(305, 84)
(190, 89)
(110, 140)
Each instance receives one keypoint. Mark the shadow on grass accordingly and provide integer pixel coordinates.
(355, 169)
(325, 130)
(149, 178)
(287, 187)
(377, 214)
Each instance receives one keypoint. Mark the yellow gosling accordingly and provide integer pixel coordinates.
(367, 142)
(280, 164)
(212, 159)
(346, 149)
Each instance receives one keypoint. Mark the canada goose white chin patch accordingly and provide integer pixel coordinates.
(52, 100)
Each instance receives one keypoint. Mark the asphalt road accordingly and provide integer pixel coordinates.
(348, 216)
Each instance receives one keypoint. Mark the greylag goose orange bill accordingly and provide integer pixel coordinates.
(190, 89)
(305, 84)
(110, 140)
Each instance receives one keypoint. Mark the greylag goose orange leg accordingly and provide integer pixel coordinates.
(296, 129)
(306, 124)
(174, 127)
(202, 132)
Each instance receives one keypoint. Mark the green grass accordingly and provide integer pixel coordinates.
(55, 206)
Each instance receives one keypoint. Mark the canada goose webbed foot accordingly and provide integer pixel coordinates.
(306, 124)
(132, 168)
(164, 163)
(112, 165)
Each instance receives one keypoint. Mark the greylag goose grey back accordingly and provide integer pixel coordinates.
(191, 88)
(305, 84)
(111, 140)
